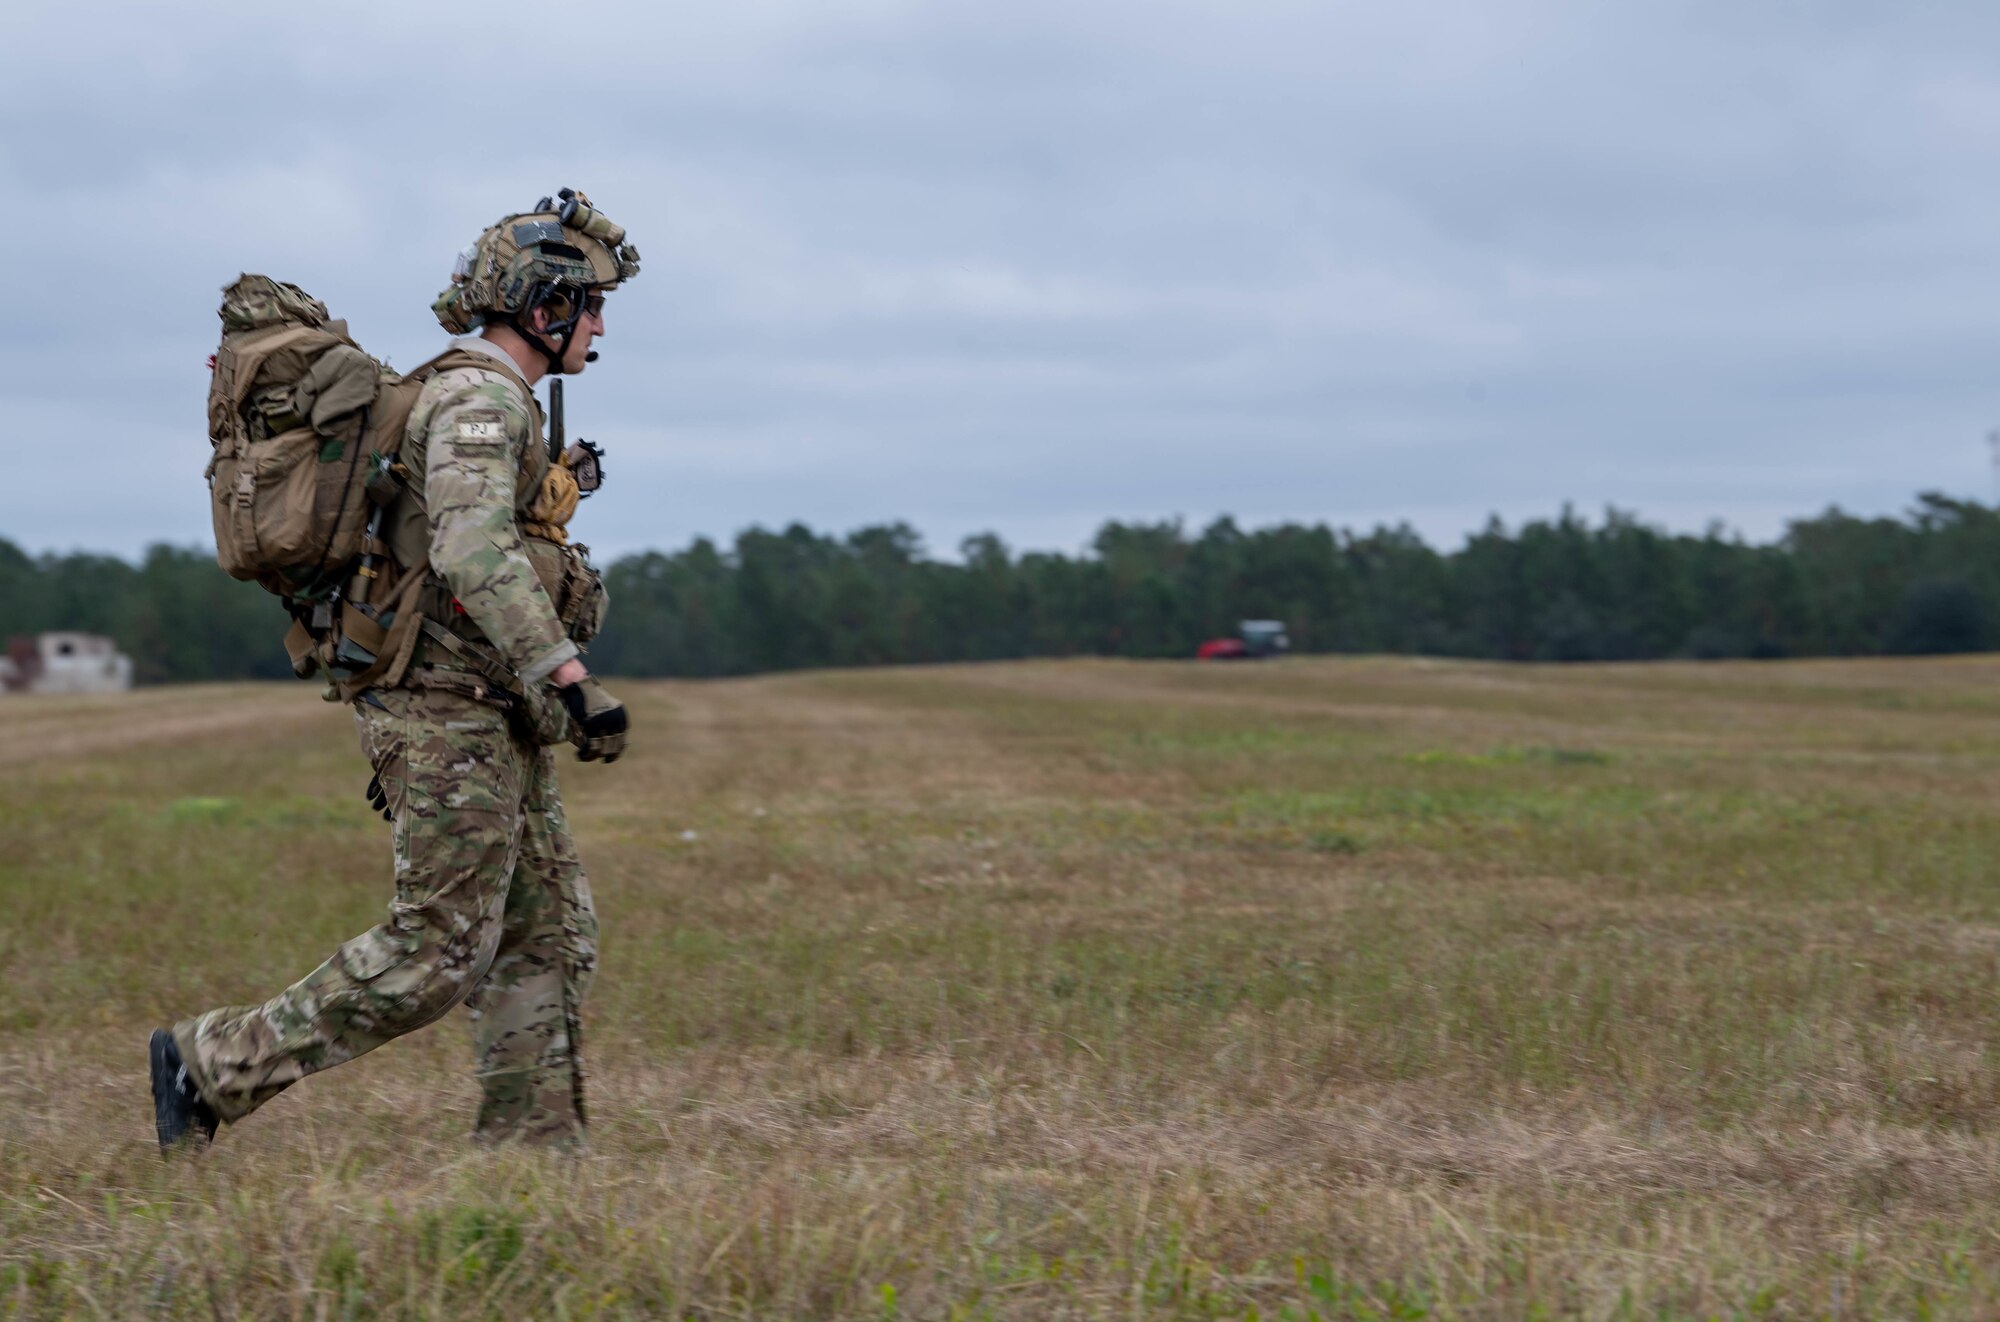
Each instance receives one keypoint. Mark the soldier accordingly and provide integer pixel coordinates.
(492, 907)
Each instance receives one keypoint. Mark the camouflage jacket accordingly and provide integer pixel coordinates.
(476, 459)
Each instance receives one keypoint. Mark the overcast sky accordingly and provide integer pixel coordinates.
(1027, 266)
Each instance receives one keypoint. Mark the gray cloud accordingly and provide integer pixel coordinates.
(1027, 267)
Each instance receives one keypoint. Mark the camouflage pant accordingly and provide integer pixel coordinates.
(491, 908)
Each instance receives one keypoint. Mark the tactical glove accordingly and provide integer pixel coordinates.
(600, 720)
(378, 798)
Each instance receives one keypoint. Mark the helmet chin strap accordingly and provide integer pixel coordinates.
(564, 330)
(540, 340)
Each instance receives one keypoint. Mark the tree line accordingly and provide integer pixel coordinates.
(1562, 589)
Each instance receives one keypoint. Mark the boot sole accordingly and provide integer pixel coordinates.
(173, 1118)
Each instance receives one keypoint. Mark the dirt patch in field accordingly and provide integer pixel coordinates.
(39, 729)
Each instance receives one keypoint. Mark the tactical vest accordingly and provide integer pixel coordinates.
(545, 497)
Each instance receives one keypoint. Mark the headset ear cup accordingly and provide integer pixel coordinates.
(562, 302)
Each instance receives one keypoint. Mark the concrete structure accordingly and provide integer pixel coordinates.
(64, 663)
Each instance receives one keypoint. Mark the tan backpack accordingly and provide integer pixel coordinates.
(306, 428)
(296, 414)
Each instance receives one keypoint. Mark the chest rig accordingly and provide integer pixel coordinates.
(450, 651)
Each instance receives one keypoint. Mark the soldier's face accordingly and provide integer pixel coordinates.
(589, 327)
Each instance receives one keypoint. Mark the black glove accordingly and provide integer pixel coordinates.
(379, 798)
(600, 720)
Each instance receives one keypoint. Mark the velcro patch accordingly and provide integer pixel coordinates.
(479, 434)
(482, 425)
(531, 232)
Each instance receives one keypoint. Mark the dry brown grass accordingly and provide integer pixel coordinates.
(1358, 988)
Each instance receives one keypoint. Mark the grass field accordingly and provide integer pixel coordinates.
(1335, 989)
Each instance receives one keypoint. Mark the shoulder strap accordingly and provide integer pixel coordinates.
(452, 359)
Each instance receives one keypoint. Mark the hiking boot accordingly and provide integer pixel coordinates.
(178, 1110)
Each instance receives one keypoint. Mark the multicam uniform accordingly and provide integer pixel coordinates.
(492, 906)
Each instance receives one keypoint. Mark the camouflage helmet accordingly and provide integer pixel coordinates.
(545, 257)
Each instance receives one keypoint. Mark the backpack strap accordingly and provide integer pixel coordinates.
(454, 358)
(396, 643)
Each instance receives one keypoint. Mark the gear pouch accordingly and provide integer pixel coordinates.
(573, 585)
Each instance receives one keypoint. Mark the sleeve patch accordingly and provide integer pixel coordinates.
(479, 433)
(486, 425)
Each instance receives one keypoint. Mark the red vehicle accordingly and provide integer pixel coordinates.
(1257, 639)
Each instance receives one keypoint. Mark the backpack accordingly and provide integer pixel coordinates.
(306, 427)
